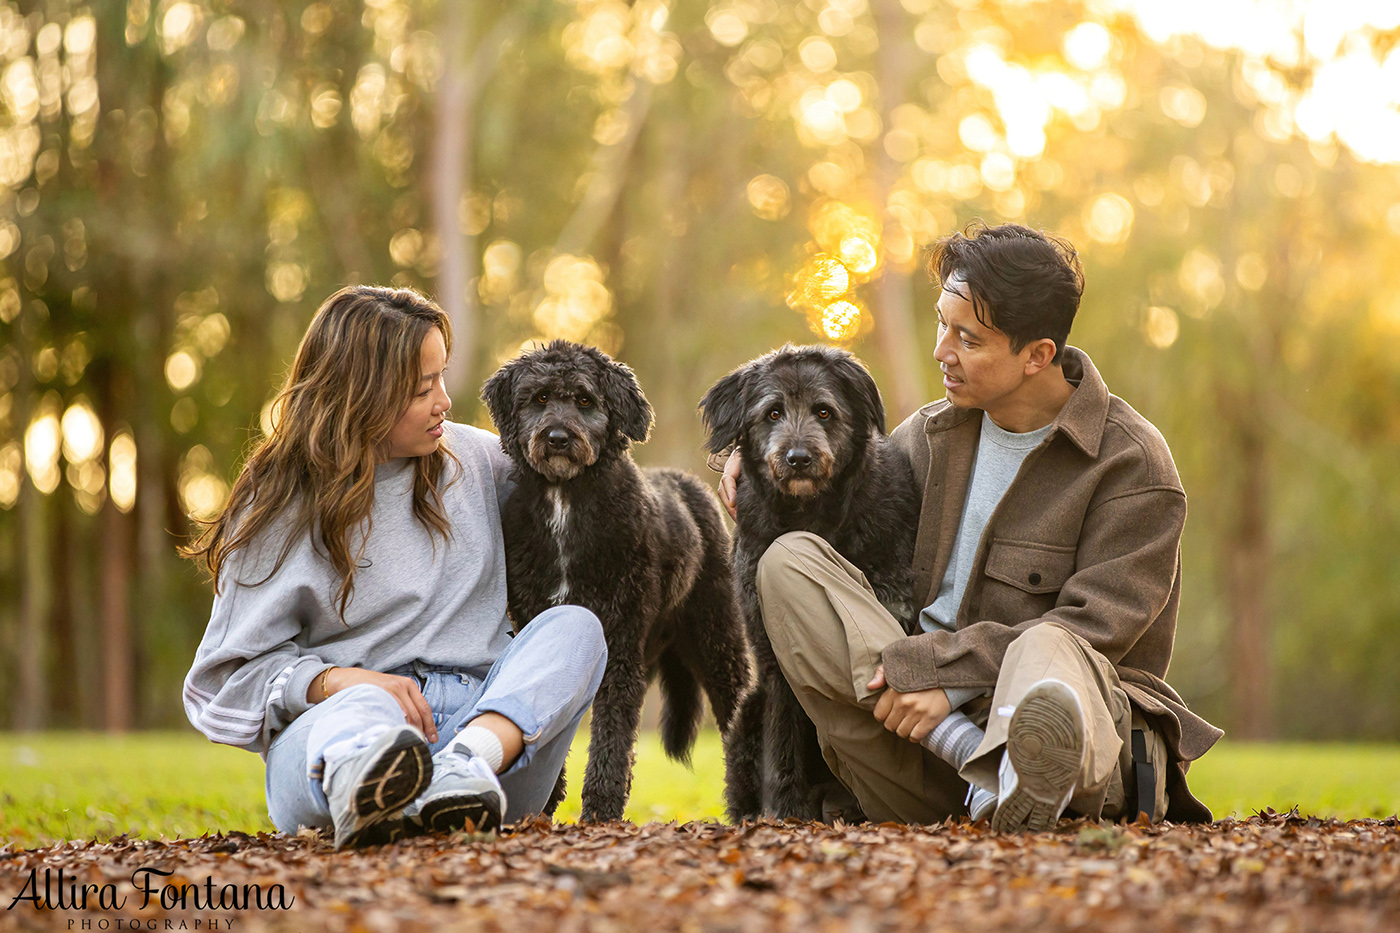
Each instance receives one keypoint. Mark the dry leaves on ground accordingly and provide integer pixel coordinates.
(1276, 872)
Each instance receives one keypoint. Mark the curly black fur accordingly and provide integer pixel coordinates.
(811, 429)
(645, 550)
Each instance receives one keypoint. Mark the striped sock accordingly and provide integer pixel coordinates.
(955, 739)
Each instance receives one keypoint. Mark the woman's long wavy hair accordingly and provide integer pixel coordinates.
(355, 372)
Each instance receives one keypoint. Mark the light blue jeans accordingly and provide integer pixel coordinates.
(543, 682)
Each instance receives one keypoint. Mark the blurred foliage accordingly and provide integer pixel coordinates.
(688, 185)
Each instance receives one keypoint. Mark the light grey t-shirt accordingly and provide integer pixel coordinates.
(417, 597)
(999, 457)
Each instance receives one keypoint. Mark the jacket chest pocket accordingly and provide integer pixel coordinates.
(1031, 568)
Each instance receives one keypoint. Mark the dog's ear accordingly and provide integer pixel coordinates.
(862, 392)
(628, 409)
(499, 395)
(723, 410)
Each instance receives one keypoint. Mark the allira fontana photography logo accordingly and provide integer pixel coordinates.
(55, 889)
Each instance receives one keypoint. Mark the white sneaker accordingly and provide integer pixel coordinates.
(369, 786)
(465, 794)
(1044, 755)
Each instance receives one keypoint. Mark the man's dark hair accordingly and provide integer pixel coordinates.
(1024, 283)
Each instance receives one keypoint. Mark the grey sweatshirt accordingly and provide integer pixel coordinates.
(416, 597)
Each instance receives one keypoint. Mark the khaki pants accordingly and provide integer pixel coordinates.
(828, 632)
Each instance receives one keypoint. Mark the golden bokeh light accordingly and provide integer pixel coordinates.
(769, 197)
(1185, 105)
(727, 26)
(822, 280)
(858, 254)
(576, 301)
(1108, 218)
(500, 267)
(202, 492)
(840, 320)
(286, 281)
(11, 474)
(817, 54)
(42, 444)
(1251, 271)
(998, 171)
(82, 432)
(1160, 326)
(1087, 46)
(1199, 276)
(179, 26)
(181, 370)
(121, 463)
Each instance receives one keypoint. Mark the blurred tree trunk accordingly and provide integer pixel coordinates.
(672, 285)
(62, 623)
(894, 318)
(114, 586)
(31, 700)
(465, 73)
(1246, 569)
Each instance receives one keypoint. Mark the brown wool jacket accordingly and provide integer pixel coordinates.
(1088, 535)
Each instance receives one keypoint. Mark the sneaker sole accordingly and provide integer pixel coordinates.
(402, 771)
(470, 812)
(1046, 744)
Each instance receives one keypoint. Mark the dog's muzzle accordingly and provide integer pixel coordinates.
(799, 471)
(558, 453)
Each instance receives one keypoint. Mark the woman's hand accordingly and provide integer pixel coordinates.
(908, 715)
(416, 711)
(729, 484)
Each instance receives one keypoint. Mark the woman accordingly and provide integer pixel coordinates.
(359, 639)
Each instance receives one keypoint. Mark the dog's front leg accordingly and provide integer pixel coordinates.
(787, 788)
(617, 711)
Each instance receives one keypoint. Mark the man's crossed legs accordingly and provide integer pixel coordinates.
(828, 632)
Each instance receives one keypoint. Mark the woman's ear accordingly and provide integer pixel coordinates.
(722, 409)
(628, 408)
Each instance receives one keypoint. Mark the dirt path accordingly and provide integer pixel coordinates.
(1273, 872)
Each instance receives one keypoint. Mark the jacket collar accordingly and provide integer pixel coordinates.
(1081, 420)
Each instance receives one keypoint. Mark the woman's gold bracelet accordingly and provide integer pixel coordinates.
(325, 694)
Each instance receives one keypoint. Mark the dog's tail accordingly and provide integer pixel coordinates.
(681, 709)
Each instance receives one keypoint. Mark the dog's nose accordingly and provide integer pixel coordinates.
(798, 457)
(558, 438)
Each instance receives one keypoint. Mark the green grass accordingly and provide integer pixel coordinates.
(58, 786)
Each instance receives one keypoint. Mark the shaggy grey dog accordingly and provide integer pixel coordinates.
(645, 550)
(810, 425)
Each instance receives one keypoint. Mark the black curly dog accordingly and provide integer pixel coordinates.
(810, 426)
(645, 550)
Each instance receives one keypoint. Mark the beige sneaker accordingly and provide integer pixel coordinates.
(1044, 755)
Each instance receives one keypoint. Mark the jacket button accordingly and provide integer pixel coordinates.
(1035, 579)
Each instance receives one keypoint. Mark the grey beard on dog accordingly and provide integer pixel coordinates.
(810, 425)
(645, 550)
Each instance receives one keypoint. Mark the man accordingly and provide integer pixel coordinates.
(1048, 559)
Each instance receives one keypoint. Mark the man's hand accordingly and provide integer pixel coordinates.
(416, 711)
(729, 484)
(910, 716)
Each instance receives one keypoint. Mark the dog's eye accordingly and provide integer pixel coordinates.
(542, 398)
(584, 401)
(823, 413)
(775, 414)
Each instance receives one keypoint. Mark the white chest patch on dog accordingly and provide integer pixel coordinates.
(558, 525)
